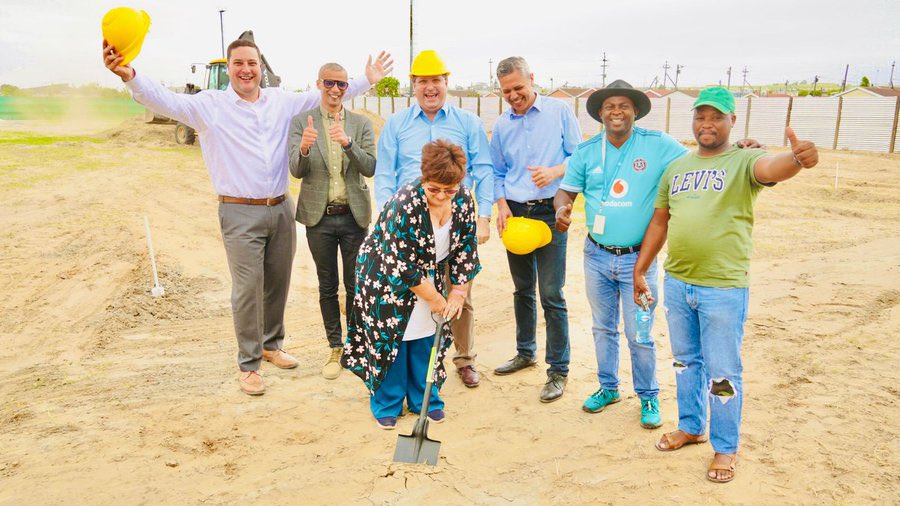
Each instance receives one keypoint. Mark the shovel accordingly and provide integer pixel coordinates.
(418, 448)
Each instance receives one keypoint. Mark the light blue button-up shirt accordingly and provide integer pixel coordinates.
(547, 134)
(400, 151)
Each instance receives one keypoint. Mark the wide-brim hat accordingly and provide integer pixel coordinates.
(618, 88)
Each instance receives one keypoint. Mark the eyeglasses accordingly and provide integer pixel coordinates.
(447, 191)
(328, 83)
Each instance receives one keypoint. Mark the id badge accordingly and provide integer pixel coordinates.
(599, 224)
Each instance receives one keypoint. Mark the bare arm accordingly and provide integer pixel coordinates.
(774, 169)
(654, 238)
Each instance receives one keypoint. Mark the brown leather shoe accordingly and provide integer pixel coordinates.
(280, 359)
(252, 383)
(470, 377)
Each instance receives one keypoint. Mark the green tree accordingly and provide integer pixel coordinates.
(8, 90)
(865, 82)
(388, 87)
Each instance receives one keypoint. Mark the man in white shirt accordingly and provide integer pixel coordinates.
(244, 140)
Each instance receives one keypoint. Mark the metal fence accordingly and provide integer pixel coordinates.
(864, 124)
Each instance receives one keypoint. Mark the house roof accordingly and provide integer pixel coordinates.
(575, 92)
(877, 91)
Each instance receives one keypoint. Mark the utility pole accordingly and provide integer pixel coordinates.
(222, 32)
(604, 68)
(411, 53)
(551, 85)
(844, 83)
(815, 82)
(491, 74)
(892, 73)
(745, 72)
(666, 68)
(677, 71)
(729, 77)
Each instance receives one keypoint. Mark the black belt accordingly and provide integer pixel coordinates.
(546, 202)
(333, 209)
(615, 250)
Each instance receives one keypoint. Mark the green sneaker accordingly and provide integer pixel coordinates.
(650, 418)
(599, 400)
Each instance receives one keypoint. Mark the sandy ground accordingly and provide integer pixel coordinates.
(111, 396)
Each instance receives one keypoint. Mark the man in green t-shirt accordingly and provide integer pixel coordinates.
(704, 206)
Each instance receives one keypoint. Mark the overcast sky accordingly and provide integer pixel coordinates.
(54, 41)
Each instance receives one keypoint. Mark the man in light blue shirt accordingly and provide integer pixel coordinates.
(530, 145)
(618, 171)
(400, 162)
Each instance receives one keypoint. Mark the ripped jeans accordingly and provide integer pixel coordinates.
(706, 326)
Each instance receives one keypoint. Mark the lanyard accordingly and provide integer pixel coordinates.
(607, 180)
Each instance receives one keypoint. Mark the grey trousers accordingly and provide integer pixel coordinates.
(259, 243)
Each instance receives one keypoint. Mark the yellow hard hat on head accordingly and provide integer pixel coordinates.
(524, 235)
(428, 63)
(125, 29)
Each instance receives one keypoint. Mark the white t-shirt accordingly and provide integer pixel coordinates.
(420, 323)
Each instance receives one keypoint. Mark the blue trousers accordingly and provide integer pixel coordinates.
(406, 380)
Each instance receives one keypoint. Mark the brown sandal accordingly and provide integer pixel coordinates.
(713, 466)
(676, 439)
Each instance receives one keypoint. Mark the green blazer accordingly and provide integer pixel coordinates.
(312, 170)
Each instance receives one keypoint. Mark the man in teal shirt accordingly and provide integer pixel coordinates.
(618, 172)
(705, 207)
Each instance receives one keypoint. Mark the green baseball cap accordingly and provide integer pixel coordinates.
(718, 97)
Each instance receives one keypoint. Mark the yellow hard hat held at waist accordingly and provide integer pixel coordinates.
(125, 29)
(428, 63)
(524, 235)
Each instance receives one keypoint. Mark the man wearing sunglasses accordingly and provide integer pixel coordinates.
(400, 160)
(332, 151)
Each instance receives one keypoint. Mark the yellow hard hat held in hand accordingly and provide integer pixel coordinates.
(524, 235)
(428, 63)
(125, 29)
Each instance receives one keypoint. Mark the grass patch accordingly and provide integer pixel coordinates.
(33, 139)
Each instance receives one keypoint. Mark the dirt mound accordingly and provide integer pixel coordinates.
(138, 131)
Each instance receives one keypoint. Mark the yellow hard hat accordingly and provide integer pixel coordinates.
(524, 235)
(428, 63)
(125, 29)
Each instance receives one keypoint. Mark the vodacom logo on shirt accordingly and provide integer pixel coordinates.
(619, 188)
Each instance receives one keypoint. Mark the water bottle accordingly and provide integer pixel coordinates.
(643, 321)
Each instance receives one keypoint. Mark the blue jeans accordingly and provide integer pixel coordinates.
(609, 281)
(546, 268)
(406, 380)
(707, 328)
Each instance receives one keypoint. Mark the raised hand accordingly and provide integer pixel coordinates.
(310, 134)
(564, 218)
(382, 66)
(113, 61)
(805, 153)
(336, 131)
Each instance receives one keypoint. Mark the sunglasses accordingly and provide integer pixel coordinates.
(328, 83)
(447, 191)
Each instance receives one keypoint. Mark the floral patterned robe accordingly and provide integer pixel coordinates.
(397, 254)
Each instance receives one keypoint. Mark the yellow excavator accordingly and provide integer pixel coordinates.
(215, 78)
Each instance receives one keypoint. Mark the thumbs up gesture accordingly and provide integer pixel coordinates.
(806, 154)
(564, 218)
(310, 134)
(336, 131)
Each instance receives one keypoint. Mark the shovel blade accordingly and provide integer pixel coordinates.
(417, 450)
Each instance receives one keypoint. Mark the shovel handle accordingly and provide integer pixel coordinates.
(429, 378)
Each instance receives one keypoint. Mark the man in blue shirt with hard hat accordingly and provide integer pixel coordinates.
(618, 172)
(400, 160)
(530, 145)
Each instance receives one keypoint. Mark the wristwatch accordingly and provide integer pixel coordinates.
(348, 146)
